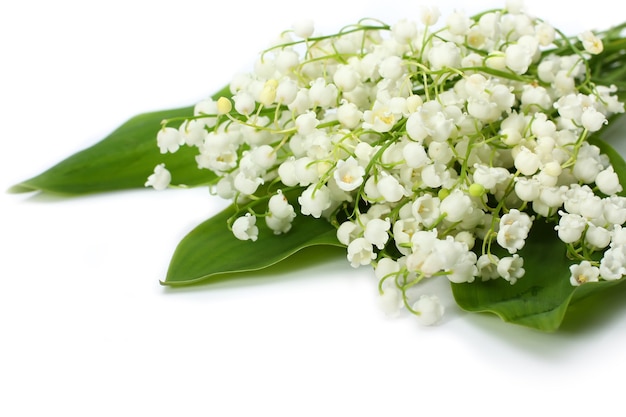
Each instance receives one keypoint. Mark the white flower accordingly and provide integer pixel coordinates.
(349, 174)
(360, 252)
(349, 115)
(489, 177)
(402, 232)
(545, 33)
(193, 132)
(440, 152)
(169, 140)
(434, 175)
(279, 206)
(588, 164)
(591, 43)
(570, 227)
(380, 118)
(429, 15)
(277, 224)
(286, 91)
(458, 23)
(592, 119)
(487, 266)
(583, 272)
(591, 208)
(286, 61)
(483, 109)
(570, 106)
(391, 67)
(513, 231)
(305, 171)
(391, 301)
(423, 241)
(456, 206)
(303, 28)
(322, 94)
(518, 58)
(618, 236)
(429, 309)
(404, 31)
(301, 103)
(306, 123)
(415, 155)
(287, 172)
(347, 232)
(425, 209)
(467, 238)
(511, 268)
(463, 263)
(608, 181)
(597, 237)
(613, 264)
(390, 188)
(536, 98)
(376, 232)
(263, 157)
(386, 267)
(314, 201)
(206, 107)
(244, 228)
(245, 184)
(514, 6)
(444, 55)
(615, 210)
(527, 189)
(527, 162)
(224, 188)
(244, 103)
(160, 179)
(429, 120)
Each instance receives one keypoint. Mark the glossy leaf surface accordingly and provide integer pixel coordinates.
(542, 296)
(122, 160)
(211, 250)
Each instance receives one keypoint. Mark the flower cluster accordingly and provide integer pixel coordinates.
(433, 145)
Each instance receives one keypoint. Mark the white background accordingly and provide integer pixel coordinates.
(85, 327)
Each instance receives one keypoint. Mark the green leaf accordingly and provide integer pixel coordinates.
(122, 160)
(210, 251)
(540, 299)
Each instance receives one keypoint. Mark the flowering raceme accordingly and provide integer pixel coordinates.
(432, 145)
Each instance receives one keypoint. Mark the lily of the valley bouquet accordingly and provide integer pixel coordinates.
(445, 147)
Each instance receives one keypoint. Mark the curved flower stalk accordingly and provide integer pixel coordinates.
(433, 146)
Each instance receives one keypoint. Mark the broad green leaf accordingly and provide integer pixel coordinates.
(122, 160)
(542, 296)
(210, 251)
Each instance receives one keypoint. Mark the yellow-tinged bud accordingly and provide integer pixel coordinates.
(224, 105)
(268, 94)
